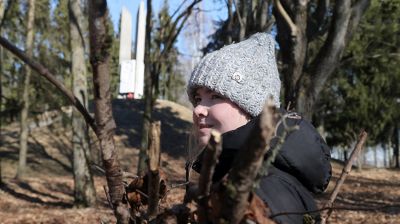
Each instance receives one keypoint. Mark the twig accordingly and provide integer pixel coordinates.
(281, 139)
(286, 17)
(171, 186)
(142, 193)
(210, 158)
(108, 197)
(346, 170)
(103, 172)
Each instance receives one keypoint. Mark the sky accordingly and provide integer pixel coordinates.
(214, 9)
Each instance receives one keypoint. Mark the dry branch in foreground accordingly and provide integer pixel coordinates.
(236, 190)
(346, 170)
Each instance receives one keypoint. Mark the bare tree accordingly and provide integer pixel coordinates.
(100, 44)
(304, 78)
(153, 67)
(103, 124)
(23, 140)
(85, 194)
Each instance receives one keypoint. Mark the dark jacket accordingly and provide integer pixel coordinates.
(301, 167)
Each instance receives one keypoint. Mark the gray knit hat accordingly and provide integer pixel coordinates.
(245, 72)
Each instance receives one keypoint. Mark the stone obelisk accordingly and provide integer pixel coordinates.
(140, 41)
(127, 66)
(132, 71)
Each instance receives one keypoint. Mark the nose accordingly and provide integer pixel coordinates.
(200, 111)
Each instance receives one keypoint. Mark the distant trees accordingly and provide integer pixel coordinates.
(365, 93)
(59, 43)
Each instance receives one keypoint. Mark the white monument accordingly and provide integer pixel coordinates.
(132, 71)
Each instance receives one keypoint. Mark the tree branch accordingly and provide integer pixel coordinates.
(210, 158)
(177, 9)
(328, 57)
(100, 44)
(286, 17)
(346, 170)
(238, 13)
(51, 78)
(172, 37)
(357, 11)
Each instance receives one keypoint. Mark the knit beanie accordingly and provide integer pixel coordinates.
(245, 72)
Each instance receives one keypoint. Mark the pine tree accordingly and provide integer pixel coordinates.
(365, 91)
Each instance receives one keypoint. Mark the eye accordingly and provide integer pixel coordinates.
(197, 100)
(216, 96)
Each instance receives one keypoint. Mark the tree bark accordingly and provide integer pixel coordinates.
(242, 18)
(154, 172)
(23, 140)
(2, 12)
(305, 80)
(396, 145)
(100, 45)
(148, 93)
(344, 22)
(262, 15)
(297, 46)
(84, 192)
(230, 23)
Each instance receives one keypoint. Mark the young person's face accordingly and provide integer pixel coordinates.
(213, 111)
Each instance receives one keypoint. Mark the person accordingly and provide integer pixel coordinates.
(228, 89)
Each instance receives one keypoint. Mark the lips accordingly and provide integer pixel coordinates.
(201, 126)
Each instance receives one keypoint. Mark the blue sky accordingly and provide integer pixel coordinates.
(214, 9)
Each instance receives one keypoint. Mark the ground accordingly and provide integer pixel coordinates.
(46, 194)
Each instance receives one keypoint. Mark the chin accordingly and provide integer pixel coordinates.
(203, 141)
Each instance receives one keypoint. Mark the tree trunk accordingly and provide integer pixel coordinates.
(297, 48)
(148, 94)
(23, 140)
(84, 192)
(100, 45)
(396, 146)
(2, 10)
(262, 15)
(243, 19)
(154, 172)
(304, 80)
(230, 23)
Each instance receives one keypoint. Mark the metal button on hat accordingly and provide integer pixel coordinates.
(237, 77)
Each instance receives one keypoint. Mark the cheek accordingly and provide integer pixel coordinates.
(228, 118)
(222, 117)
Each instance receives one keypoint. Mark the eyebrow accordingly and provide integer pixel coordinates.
(207, 91)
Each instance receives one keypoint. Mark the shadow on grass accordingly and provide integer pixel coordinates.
(5, 187)
(28, 187)
(128, 115)
(41, 150)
